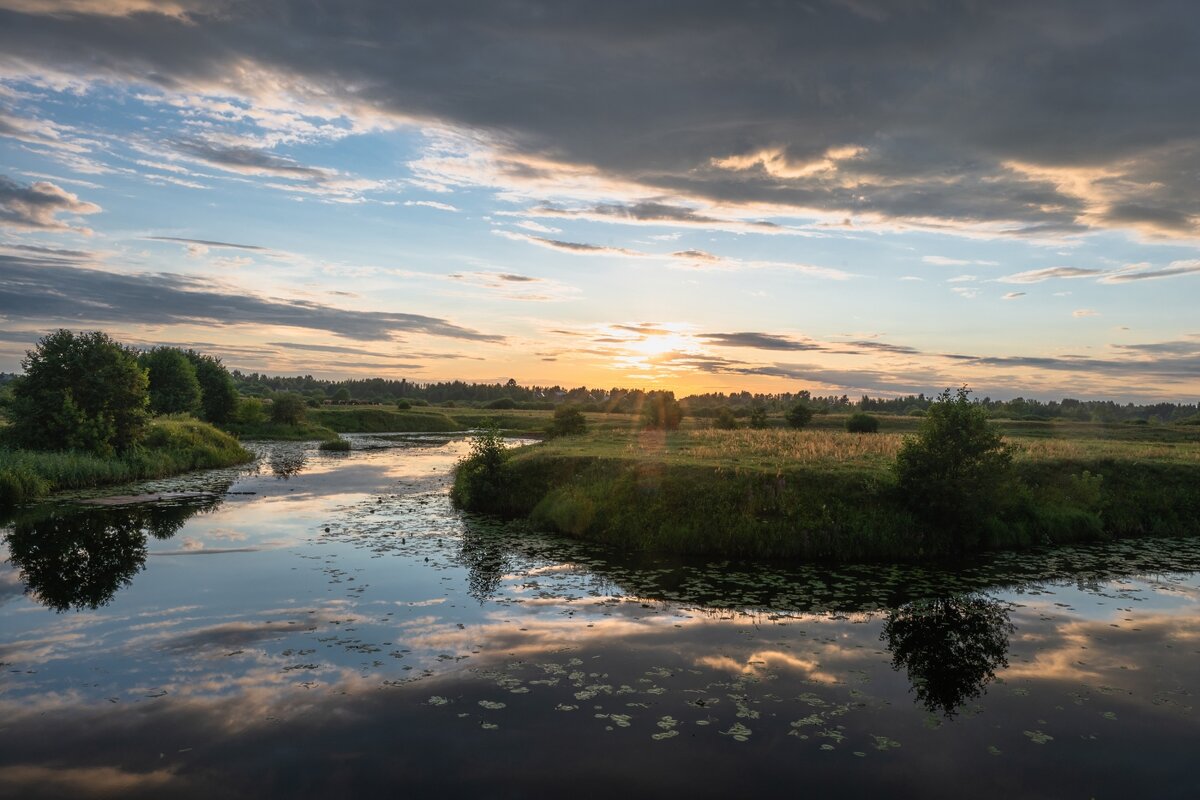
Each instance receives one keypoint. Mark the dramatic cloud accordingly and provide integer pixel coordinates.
(40, 290)
(36, 206)
(1023, 117)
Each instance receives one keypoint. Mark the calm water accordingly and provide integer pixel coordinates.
(327, 625)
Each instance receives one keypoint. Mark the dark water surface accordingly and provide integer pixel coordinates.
(326, 625)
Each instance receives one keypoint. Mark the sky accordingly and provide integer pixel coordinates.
(843, 196)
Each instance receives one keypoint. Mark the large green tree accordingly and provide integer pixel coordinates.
(79, 392)
(174, 388)
(218, 394)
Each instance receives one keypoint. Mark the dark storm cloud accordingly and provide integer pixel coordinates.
(37, 205)
(32, 289)
(760, 341)
(902, 110)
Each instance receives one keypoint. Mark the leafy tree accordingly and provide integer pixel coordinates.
(288, 408)
(218, 395)
(403, 405)
(956, 473)
(79, 392)
(758, 418)
(799, 415)
(862, 423)
(661, 411)
(250, 411)
(174, 387)
(568, 421)
(726, 421)
(342, 395)
(479, 478)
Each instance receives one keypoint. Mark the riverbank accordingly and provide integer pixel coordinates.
(171, 447)
(827, 495)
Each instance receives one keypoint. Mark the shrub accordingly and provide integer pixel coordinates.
(218, 395)
(862, 423)
(174, 387)
(799, 415)
(79, 391)
(758, 418)
(250, 411)
(661, 411)
(288, 409)
(504, 403)
(342, 395)
(335, 446)
(478, 479)
(403, 405)
(726, 421)
(568, 421)
(954, 475)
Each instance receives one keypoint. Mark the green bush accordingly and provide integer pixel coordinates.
(799, 415)
(661, 411)
(288, 409)
(503, 403)
(955, 474)
(862, 423)
(174, 387)
(335, 446)
(568, 421)
(758, 418)
(479, 477)
(403, 405)
(725, 420)
(250, 411)
(79, 392)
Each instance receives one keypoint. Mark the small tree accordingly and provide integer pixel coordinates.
(288, 409)
(862, 423)
(661, 411)
(758, 418)
(568, 421)
(799, 415)
(174, 387)
(79, 391)
(955, 474)
(218, 395)
(342, 395)
(478, 479)
(726, 421)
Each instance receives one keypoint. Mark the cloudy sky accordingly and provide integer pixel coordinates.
(839, 195)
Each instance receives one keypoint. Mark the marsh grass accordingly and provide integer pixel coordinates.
(172, 445)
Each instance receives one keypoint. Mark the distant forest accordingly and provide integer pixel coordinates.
(616, 399)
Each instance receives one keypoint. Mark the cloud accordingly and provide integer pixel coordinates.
(957, 117)
(249, 160)
(1143, 272)
(943, 261)
(431, 204)
(512, 286)
(35, 289)
(1012, 295)
(1039, 275)
(36, 206)
(1085, 312)
(760, 341)
(205, 243)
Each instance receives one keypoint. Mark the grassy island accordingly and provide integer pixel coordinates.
(833, 494)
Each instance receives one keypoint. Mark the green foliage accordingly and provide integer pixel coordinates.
(725, 420)
(799, 415)
(403, 405)
(250, 411)
(862, 423)
(79, 392)
(661, 411)
(288, 408)
(758, 418)
(174, 387)
(218, 395)
(479, 481)
(568, 421)
(955, 474)
(379, 419)
(503, 404)
(342, 395)
(338, 445)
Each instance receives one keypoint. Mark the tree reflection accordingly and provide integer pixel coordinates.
(950, 646)
(284, 463)
(484, 551)
(79, 557)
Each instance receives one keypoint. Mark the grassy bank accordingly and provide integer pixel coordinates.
(831, 495)
(172, 446)
(279, 432)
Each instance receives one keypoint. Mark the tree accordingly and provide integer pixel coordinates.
(661, 411)
(174, 388)
(799, 415)
(862, 423)
(479, 481)
(79, 392)
(342, 395)
(568, 421)
(726, 421)
(956, 473)
(218, 395)
(758, 418)
(288, 408)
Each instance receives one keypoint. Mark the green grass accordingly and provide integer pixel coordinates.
(382, 419)
(279, 432)
(173, 445)
(335, 446)
(826, 494)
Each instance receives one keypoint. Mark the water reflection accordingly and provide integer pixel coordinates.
(80, 556)
(951, 647)
(286, 463)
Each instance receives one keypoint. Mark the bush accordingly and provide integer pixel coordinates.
(335, 446)
(726, 421)
(504, 403)
(478, 479)
(288, 409)
(758, 418)
(862, 423)
(955, 474)
(403, 405)
(174, 387)
(799, 415)
(250, 411)
(661, 411)
(218, 395)
(568, 421)
(79, 392)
